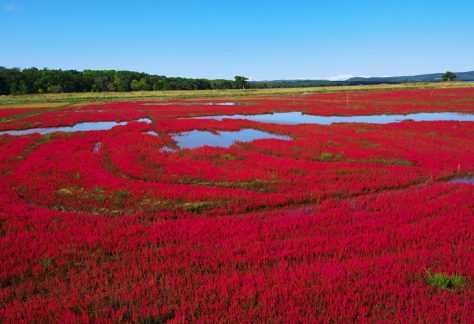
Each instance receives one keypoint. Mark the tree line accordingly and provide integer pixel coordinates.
(28, 81)
(17, 81)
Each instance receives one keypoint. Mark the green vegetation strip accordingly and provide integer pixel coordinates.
(445, 281)
(192, 94)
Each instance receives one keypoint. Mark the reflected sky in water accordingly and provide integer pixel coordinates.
(297, 117)
(198, 138)
(80, 127)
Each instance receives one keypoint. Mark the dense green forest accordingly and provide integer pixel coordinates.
(33, 80)
(26, 81)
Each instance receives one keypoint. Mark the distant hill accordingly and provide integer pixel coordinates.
(462, 76)
(433, 77)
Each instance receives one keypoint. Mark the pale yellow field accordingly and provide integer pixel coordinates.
(61, 99)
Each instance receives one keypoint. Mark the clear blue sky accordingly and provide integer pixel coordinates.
(260, 39)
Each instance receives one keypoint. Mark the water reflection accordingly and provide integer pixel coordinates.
(167, 149)
(468, 180)
(197, 138)
(96, 147)
(224, 103)
(80, 127)
(297, 117)
(228, 103)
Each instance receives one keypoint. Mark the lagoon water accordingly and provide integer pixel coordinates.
(468, 180)
(80, 127)
(96, 147)
(198, 138)
(297, 117)
(228, 103)
(222, 103)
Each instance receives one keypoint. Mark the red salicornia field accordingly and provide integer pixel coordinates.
(158, 211)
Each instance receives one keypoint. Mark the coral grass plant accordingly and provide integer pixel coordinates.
(341, 223)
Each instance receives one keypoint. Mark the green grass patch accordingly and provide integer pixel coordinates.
(65, 191)
(328, 156)
(390, 161)
(98, 190)
(100, 198)
(196, 206)
(445, 281)
(331, 143)
(122, 194)
(229, 157)
(361, 130)
(46, 263)
(325, 156)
